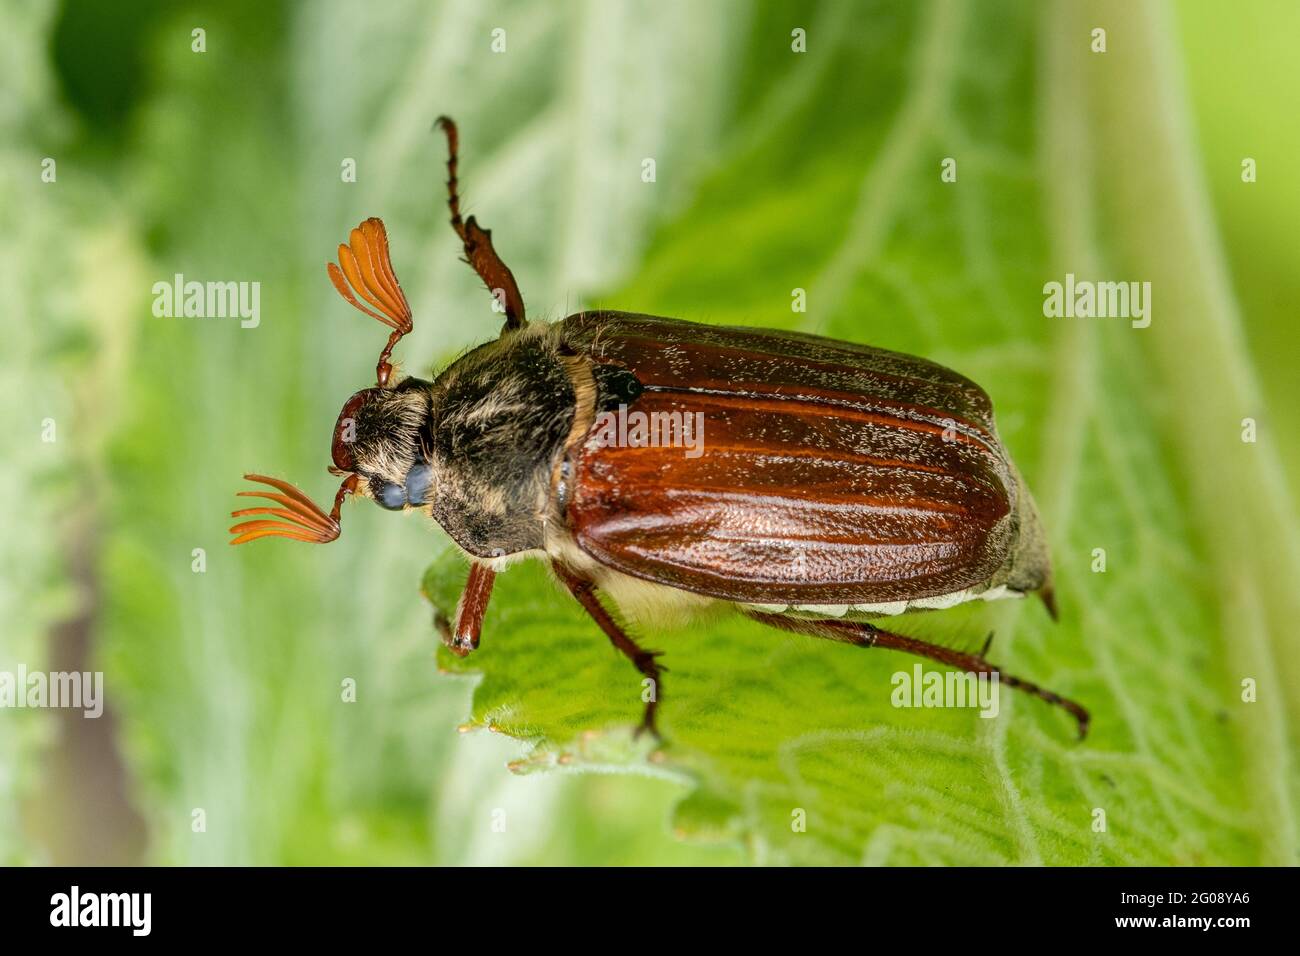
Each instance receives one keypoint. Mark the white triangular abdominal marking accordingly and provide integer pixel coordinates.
(935, 602)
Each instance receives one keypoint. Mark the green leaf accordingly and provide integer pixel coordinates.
(830, 183)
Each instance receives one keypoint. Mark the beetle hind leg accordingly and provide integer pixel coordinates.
(643, 660)
(862, 634)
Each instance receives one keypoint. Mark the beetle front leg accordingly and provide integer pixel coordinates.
(477, 241)
(463, 638)
(643, 660)
(863, 634)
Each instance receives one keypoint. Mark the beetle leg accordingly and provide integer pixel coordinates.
(463, 638)
(443, 626)
(863, 634)
(496, 275)
(643, 660)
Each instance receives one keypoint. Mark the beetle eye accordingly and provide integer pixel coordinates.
(389, 495)
(418, 480)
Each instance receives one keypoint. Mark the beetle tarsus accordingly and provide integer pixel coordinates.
(645, 661)
(442, 624)
(863, 634)
(647, 725)
(976, 665)
(1077, 711)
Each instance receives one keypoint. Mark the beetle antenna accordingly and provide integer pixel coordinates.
(365, 266)
(301, 518)
(479, 254)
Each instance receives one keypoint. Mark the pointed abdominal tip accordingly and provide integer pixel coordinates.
(1048, 596)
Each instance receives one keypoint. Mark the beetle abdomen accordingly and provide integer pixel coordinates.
(826, 473)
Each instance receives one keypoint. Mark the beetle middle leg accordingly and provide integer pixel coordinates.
(643, 660)
(862, 634)
(496, 275)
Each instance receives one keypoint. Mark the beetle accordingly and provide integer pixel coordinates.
(837, 484)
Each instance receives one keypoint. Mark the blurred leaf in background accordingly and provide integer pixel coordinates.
(774, 171)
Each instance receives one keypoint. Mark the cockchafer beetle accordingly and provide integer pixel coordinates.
(833, 484)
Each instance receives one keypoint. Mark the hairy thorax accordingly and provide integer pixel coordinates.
(499, 423)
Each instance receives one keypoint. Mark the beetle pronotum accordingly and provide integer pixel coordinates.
(838, 483)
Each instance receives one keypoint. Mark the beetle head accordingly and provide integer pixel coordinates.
(381, 433)
(382, 436)
(380, 444)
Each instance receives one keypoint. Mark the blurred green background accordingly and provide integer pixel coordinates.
(775, 170)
